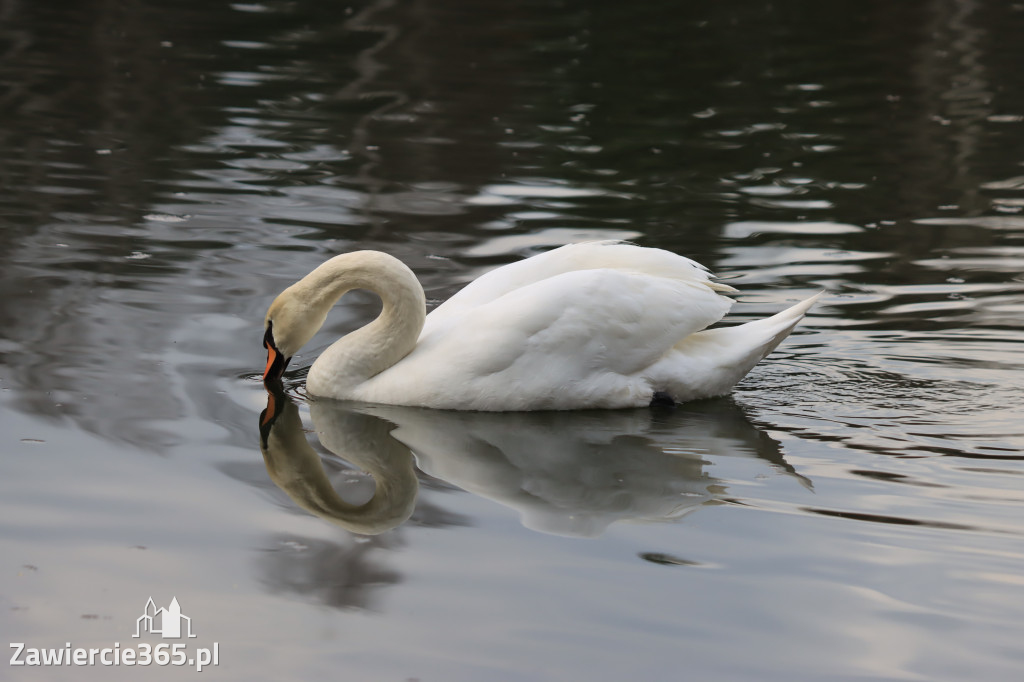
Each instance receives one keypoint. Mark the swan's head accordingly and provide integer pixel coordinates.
(301, 309)
(292, 320)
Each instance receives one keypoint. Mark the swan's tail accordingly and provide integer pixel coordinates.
(760, 337)
(714, 360)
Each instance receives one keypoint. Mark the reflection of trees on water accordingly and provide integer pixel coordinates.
(110, 101)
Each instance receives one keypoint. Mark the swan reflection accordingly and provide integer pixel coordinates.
(364, 440)
(566, 473)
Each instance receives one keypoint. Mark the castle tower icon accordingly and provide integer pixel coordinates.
(164, 622)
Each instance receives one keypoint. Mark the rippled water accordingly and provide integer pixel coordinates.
(852, 511)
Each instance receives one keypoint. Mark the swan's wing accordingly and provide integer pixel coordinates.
(572, 327)
(605, 255)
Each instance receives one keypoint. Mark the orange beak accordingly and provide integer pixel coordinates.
(276, 362)
(272, 356)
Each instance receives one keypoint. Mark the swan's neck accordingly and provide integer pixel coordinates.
(366, 352)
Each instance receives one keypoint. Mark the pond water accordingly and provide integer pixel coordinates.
(853, 511)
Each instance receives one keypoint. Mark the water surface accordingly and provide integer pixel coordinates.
(852, 511)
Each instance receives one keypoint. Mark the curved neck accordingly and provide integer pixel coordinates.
(370, 350)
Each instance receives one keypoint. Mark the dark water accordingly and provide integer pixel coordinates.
(853, 511)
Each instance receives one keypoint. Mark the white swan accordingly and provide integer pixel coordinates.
(594, 325)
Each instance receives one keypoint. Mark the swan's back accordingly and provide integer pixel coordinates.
(602, 255)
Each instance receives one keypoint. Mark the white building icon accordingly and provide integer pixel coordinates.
(163, 622)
